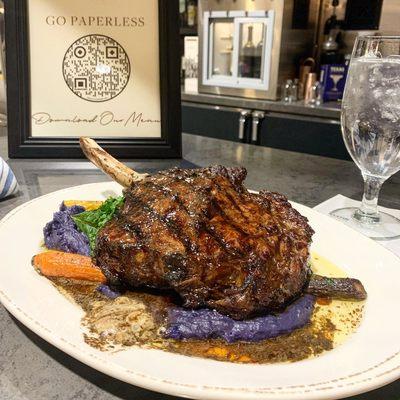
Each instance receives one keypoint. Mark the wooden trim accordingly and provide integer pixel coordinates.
(20, 142)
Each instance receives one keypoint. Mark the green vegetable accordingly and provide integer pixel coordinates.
(90, 222)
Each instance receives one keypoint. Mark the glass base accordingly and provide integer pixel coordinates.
(387, 228)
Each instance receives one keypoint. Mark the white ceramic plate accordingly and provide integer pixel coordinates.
(369, 359)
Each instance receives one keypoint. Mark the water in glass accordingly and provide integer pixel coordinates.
(371, 115)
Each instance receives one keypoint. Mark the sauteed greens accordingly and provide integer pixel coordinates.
(90, 222)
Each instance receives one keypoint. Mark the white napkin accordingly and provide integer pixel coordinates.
(8, 183)
(340, 201)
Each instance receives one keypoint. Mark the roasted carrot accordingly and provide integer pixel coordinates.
(225, 353)
(87, 204)
(221, 352)
(75, 266)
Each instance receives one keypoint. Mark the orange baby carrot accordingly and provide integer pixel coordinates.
(88, 205)
(75, 266)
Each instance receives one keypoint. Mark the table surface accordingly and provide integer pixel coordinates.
(32, 369)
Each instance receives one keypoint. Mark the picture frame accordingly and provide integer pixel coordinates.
(22, 144)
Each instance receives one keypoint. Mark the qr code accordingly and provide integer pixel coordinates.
(96, 68)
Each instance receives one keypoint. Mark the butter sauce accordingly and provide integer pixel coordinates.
(137, 319)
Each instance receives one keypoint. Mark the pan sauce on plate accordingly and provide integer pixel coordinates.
(138, 318)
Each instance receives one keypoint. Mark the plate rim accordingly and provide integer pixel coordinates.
(203, 392)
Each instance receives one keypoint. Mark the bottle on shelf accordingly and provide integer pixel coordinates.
(287, 91)
(330, 49)
(182, 13)
(332, 32)
(294, 93)
(191, 13)
(247, 56)
(310, 94)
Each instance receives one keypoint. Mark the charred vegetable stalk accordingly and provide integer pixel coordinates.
(336, 288)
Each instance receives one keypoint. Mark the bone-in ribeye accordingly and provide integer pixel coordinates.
(201, 233)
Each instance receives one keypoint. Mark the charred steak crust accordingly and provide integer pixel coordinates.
(202, 234)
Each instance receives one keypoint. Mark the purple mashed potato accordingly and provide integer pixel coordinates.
(62, 234)
(209, 324)
(108, 292)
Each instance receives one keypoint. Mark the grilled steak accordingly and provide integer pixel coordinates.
(202, 234)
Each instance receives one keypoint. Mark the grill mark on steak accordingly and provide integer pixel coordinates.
(187, 224)
(172, 182)
(171, 228)
(178, 218)
(237, 251)
(254, 235)
(228, 219)
(159, 246)
(175, 204)
(209, 229)
(248, 224)
(224, 246)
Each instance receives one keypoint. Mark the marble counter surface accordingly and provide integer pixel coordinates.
(31, 369)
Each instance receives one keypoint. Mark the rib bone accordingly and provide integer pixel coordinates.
(108, 164)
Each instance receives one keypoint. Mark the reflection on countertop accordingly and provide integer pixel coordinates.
(325, 110)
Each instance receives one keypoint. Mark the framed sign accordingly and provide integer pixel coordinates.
(106, 69)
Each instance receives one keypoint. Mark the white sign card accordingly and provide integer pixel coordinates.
(95, 68)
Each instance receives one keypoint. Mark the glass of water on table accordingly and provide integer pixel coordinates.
(370, 122)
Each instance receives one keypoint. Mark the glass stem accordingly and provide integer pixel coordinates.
(369, 206)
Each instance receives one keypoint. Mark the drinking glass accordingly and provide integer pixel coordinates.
(370, 122)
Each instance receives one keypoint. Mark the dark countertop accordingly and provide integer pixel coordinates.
(330, 110)
(32, 369)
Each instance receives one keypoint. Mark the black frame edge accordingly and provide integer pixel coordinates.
(20, 142)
